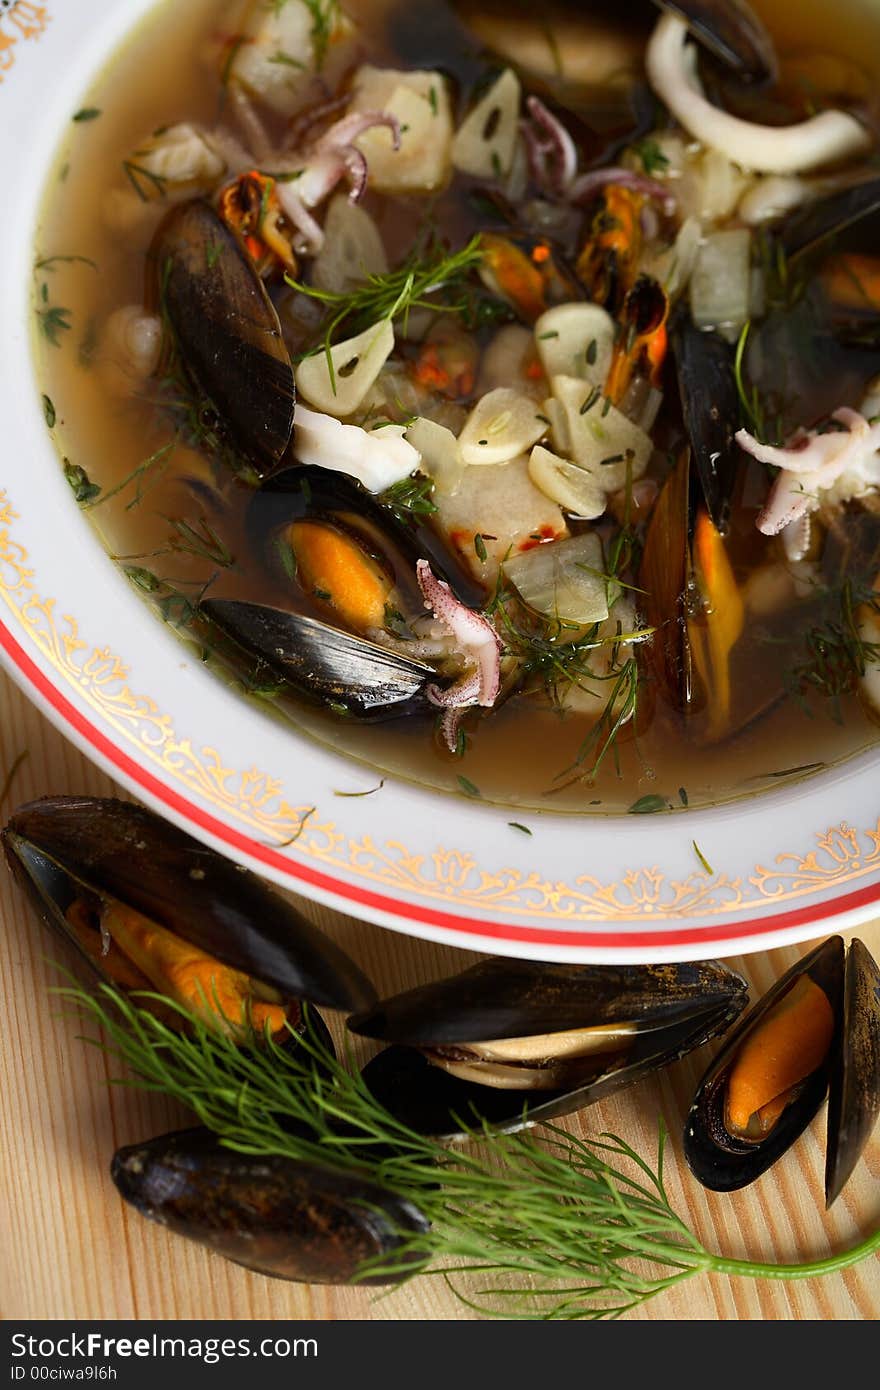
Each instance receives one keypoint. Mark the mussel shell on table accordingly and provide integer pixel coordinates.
(610, 1026)
(122, 850)
(724, 1161)
(282, 1217)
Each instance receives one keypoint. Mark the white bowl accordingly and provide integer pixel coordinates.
(84, 647)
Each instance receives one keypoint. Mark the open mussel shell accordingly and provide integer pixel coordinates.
(724, 1161)
(827, 217)
(306, 492)
(514, 1042)
(710, 409)
(281, 1217)
(227, 331)
(62, 845)
(854, 1100)
(326, 664)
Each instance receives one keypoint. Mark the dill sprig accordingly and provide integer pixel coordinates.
(837, 654)
(544, 1224)
(410, 497)
(414, 285)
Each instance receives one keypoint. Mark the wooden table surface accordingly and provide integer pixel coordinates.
(72, 1249)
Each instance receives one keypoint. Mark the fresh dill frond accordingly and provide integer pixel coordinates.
(53, 320)
(540, 1224)
(411, 497)
(144, 476)
(422, 282)
(837, 653)
(649, 151)
(145, 183)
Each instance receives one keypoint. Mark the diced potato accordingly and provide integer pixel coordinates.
(420, 101)
(181, 154)
(441, 457)
(356, 364)
(352, 250)
(504, 507)
(603, 441)
(502, 425)
(276, 60)
(485, 143)
(576, 339)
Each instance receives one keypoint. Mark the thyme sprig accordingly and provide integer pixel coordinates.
(545, 1224)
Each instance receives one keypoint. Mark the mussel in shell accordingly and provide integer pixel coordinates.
(226, 329)
(512, 1042)
(150, 908)
(354, 562)
(818, 1026)
(281, 1217)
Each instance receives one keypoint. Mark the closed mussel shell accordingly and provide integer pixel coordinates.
(126, 851)
(278, 1216)
(854, 1100)
(673, 1008)
(724, 1161)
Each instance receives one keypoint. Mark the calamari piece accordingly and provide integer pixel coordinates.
(377, 458)
(817, 469)
(825, 138)
(475, 639)
(180, 154)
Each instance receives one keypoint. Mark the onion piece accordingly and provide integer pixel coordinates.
(356, 364)
(823, 139)
(502, 425)
(720, 285)
(352, 251)
(441, 456)
(377, 458)
(564, 580)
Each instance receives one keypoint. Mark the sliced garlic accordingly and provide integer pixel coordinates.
(564, 482)
(485, 143)
(603, 440)
(356, 364)
(576, 340)
(377, 458)
(502, 424)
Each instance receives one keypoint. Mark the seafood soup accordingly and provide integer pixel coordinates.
(495, 400)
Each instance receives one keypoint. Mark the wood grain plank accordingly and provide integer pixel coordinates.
(72, 1249)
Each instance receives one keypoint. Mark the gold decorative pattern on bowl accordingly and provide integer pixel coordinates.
(19, 21)
(840, 855)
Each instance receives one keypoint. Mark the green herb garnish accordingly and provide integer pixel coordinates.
(546, 1224)
(653, 159)
(49, 411)
(702, 858)
(468, 787)
(648, 805)
(515, 825)
(88, 113)
(84, 490)
(411, 497)
(53, 320)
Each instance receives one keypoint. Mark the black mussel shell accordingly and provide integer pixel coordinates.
(828, 217)
(307, 491)
(227, 330)
(682, 1007)
(278, 1216)
(325, 664)
(128, 852)
(732, 31)
(854, 1099)
(707, 388)
(721, 1161)
(502, 998)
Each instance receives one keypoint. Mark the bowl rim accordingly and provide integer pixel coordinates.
(646, 903)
